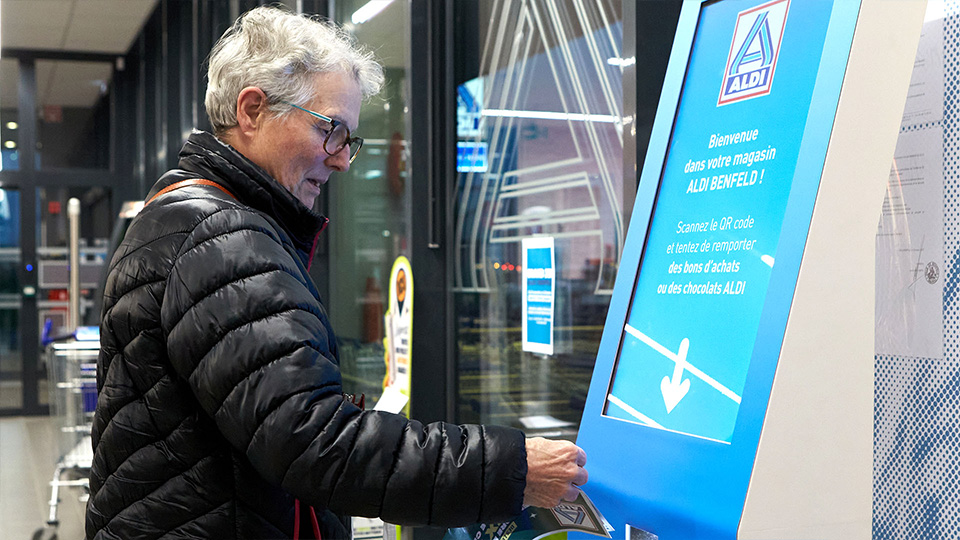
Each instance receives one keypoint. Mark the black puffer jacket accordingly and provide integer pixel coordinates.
(220, 394)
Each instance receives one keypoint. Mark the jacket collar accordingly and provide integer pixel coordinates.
(209, 157)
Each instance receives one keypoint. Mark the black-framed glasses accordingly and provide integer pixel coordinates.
(338, 136)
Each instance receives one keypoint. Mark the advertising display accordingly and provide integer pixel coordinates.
(398, 322)
(713, 239)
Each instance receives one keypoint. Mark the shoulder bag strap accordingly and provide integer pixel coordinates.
(190, 182)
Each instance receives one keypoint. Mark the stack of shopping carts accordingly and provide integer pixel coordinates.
(72, 369)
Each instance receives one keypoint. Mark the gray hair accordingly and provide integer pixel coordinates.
(279, 52)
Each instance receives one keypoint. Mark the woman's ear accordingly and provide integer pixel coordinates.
(251, 110)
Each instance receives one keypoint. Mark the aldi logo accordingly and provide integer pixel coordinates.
(754, 52)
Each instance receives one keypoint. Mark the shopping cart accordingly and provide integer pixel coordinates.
(72, 369)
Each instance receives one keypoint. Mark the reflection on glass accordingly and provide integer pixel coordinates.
(370, 221)
(53, 278)
(73, 129)
(540, 152)
(53, 234)
(9, 128)
(11, 363)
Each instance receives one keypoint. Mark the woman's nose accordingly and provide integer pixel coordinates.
(339, 161)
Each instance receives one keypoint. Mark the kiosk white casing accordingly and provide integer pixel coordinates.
(813, 472)
(810, 471)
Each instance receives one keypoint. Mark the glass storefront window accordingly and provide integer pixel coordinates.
(369, 215)
(73, 128)
(540, 156)
(9, 127)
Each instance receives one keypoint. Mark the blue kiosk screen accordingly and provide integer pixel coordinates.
(712, 243)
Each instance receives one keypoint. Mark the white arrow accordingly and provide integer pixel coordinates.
(676, 387)
(673, 389)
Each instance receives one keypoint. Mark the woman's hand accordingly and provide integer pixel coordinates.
(554, 469)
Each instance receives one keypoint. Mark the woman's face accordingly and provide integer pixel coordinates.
(290, 148)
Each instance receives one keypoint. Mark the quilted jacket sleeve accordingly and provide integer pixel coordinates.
(244, 329)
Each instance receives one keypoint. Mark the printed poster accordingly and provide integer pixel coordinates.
(539, 294)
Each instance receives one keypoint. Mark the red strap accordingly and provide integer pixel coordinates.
(190, 182)
(296, 519)
(316, 525)
(313, 521)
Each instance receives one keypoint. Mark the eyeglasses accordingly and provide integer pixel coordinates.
(338, 136)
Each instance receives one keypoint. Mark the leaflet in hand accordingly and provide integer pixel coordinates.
(579, 515)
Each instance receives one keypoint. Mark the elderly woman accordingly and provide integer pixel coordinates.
(221, 413)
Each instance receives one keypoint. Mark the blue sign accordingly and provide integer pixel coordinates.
(10, 218)
(469, 108)
(694, 329)
(472, 156)
(539, 293)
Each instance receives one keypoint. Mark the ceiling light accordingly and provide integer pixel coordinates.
(622, 62)
(12, 125)
(551, 115)
(369, 11)
(10, 144)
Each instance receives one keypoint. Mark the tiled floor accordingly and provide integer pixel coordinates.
(28, 455)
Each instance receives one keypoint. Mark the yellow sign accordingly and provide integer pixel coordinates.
(398, 323)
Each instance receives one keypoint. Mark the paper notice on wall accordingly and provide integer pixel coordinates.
(909, 273)
(910, 256)
(924, 103)
(539, 294)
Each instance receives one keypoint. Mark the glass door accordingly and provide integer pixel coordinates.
(11, 352)
(540, 140)
(369, 206)
(56, 132)
(11, 359)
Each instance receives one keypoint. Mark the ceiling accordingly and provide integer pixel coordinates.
(92, 26)
(110, 27)
(386, 32)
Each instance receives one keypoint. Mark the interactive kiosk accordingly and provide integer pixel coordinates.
(733, 391)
